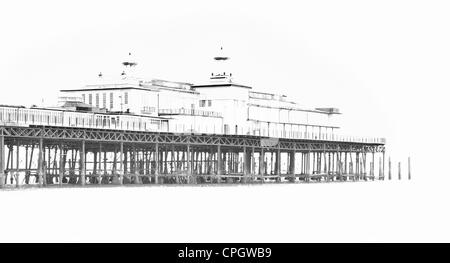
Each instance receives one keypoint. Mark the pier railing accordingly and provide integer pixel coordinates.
(193, 112)
(19, 116)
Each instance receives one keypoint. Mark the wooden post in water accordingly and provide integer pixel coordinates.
(399, 171)
(389, 166)
(409, 168)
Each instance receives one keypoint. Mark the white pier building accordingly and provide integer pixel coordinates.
(219, 106)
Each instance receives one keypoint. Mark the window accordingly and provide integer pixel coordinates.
(148, 110)
(84, 97)
(104, 100)
(126, 98)
(111, 100)
(209, 103)
(202, 103)
(97, 100)
(90, 99)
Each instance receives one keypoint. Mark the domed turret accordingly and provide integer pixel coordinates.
(221, 64)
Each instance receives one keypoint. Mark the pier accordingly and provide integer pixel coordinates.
(52, 156)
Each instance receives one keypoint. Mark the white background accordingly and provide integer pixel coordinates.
(385, 64)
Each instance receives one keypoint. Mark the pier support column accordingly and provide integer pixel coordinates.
(137, 179)
(16, 176)
(61, 164)
(262, 167)
(94, 176)
(292, 166)
(83, 163)
(379, 169)
(252, 164)
(373, 166)
(245, 164)
(41, 162)
(105, 171)
(99, 161)
(278, 164)
(389, 171)
(120, 174)
(156, 156)
(345, 164)
(189, 163)
(219, 163)
(172, 160)
(2, 160)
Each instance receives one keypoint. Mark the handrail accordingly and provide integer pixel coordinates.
(23, 117)
(185, 111)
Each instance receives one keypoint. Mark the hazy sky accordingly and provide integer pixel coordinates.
(385, 64)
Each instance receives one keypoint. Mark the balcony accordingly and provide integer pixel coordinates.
(191, 112)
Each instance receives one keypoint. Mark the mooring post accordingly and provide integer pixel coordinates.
(399, 171)
(2, 160)
(409, 168)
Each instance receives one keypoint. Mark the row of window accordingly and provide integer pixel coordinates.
(203, 103)
(78, 119)
(97, 99)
